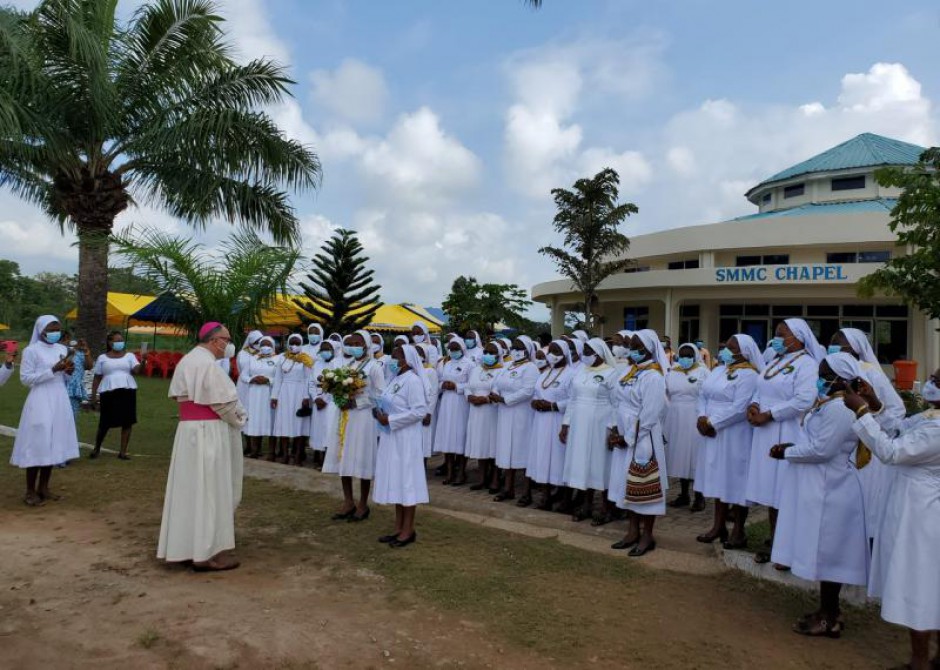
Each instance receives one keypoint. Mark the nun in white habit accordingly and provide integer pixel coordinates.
(249, 349)
(324, 422)
(512, 394)
(46, 435)
(785, 391)
(432, 391)
(450, 433)
(721, 471)
(546, 452)
(584, 427)
(474, 346)
(481, 417)
(888, 410)
(400, 477)
(637, 437)
(683, 385)
(258, 375)
(420, 334)
(904, 571)
(821, 528)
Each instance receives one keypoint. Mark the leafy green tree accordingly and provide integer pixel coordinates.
(340, 293)
(234, 286)
(95, 113)
(915, 219)
(589, 219)
(471, 305)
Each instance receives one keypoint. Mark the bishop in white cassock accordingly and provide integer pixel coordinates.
(204, 484)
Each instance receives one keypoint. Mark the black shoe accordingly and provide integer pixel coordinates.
(698, 505)
(385, 539)
(637, 551)
(342, 516)
(681, 501)
(397, 544)
(355, 518)
(504, 495)
(524, 501)
(623, 544)
(440, 471)
(95, 453)
(493, 491)
(708, 538)
(478, 487)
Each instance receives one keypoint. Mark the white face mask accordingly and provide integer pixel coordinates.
(541, 363)
(620, 351)
(295, 348)
(419, 339)
(554, 359)
(376, 348)
(267, 350)
(930, 392)
(229, 351)
(517, 355)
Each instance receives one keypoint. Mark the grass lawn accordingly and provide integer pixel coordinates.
(544, 602)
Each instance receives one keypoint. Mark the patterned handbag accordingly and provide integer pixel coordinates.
(643, 484)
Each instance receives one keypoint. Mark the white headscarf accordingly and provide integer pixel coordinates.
(458, 341)
(336, 337)
(529, 346)
(858, 340)
(40, 325)
(751, 352)
(578, 347)
(253, 338)
(267, 338)
(844, 365)
(804, 334)
(295, 336)
(373, 344)
(413, 359)
(769, 354)
(507, 344)
(476, 336)
(601, 349)
(580, 335)
(565, 349)
(691, 345)
(500, 348)
(317, 327)
(650, 340)
(424, 329)
(400, 340)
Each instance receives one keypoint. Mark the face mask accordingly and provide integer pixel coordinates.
(823, 386)
(393, 366)
(637, 356)
(725, 356)
(930, 392)
(686, 362)
(313, 339)
(229, 351)
(326, 356)
(541, 363)
(376, 348)
(455, 355)
(699, 344)
(489, 359)
(592, 361)
(620, 351)
(777, 345)
(470, 343)
(834, 349)
(267, 350)
(554, 359)
(517, 355)
(295, 348)
(354, 352)
(117, 346)
(53, 337)
(418, 338)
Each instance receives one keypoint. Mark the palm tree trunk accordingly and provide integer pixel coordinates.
(93, 247)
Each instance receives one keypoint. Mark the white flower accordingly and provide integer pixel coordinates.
(328, 374)
(347, 382)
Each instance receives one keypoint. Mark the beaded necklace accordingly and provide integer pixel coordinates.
(783, 365)
(549, 380)
(744, 365)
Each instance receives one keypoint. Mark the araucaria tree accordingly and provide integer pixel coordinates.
(589, 218)
(340, 293)
(96, 113)
(915, 219)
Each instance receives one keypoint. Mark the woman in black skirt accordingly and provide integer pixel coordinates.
(114, 392)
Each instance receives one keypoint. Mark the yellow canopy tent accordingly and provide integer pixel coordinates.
(4, 326)
(120, 307)
(392, 318)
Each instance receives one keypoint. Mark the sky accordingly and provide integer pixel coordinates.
(443, 126)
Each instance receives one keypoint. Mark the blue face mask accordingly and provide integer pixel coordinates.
(822, 387)
(456, 355)
(393, 366)
(637, 356)
(834, 349)
(326, 356)
(725, 356)
(313, 339)
(489, 359)
(117, 346)
(53, 337)
(470, 343)
(685, 362)
(354, 352)
(777, 345)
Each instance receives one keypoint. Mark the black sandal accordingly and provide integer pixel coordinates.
(735, 544)
(355, 518)
(709, 538)
(601, 519)
(342, 516)
(762, 557)
(504, 495)
(524, 501)
(580, 515)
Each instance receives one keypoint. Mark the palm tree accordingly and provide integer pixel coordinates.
(95, 114)
(234, 286)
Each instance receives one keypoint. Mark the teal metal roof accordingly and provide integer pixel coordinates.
(850, 207)
(865, 150)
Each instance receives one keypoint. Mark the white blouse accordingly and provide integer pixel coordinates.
(115, 373)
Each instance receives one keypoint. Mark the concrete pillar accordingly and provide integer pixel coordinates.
(558, 319)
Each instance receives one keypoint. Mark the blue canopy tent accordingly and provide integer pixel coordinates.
(164, 309)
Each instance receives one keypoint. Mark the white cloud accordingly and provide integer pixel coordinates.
(251, 32)
(355, 91)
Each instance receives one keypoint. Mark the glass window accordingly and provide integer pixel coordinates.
(765, 199)
(690, 264)
(874, 256)
(676, 265)
(824, 329)
(848, 183)
(788, 310)
(822, 310)
(842, 257)
(776, 259)
(731, 310)
(794, 191)
(757, 310)
(726, 328)
(636, 318)
(897, 311)
(890, 341)
(744, 261)
(858, 310)
(689, 310)
(639, 268)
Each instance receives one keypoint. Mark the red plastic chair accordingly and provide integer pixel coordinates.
(151, 363)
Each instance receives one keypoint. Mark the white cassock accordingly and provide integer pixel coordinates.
(639, 408)
(291, 387)
(432, 392)
(514, 415)
(589, 412)
(46, 434)
(258, 396)
(6, 371)
(204, 484)
(357, 452)
(786, 387)
(904, 570)
(821, 527)
(682, 439)
(324, 423)
(721, 471)
(546, 452)
(450, 431)
(400, 478)
(481, 419)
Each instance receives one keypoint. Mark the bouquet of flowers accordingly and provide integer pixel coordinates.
(343, 384)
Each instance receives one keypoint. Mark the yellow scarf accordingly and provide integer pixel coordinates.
(301, 358)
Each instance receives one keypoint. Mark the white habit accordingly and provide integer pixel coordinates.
(682, 439)
(481, 420)
(400, 478)
(587, 459)
(514, 415)
(546, 452)
(450, 431)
